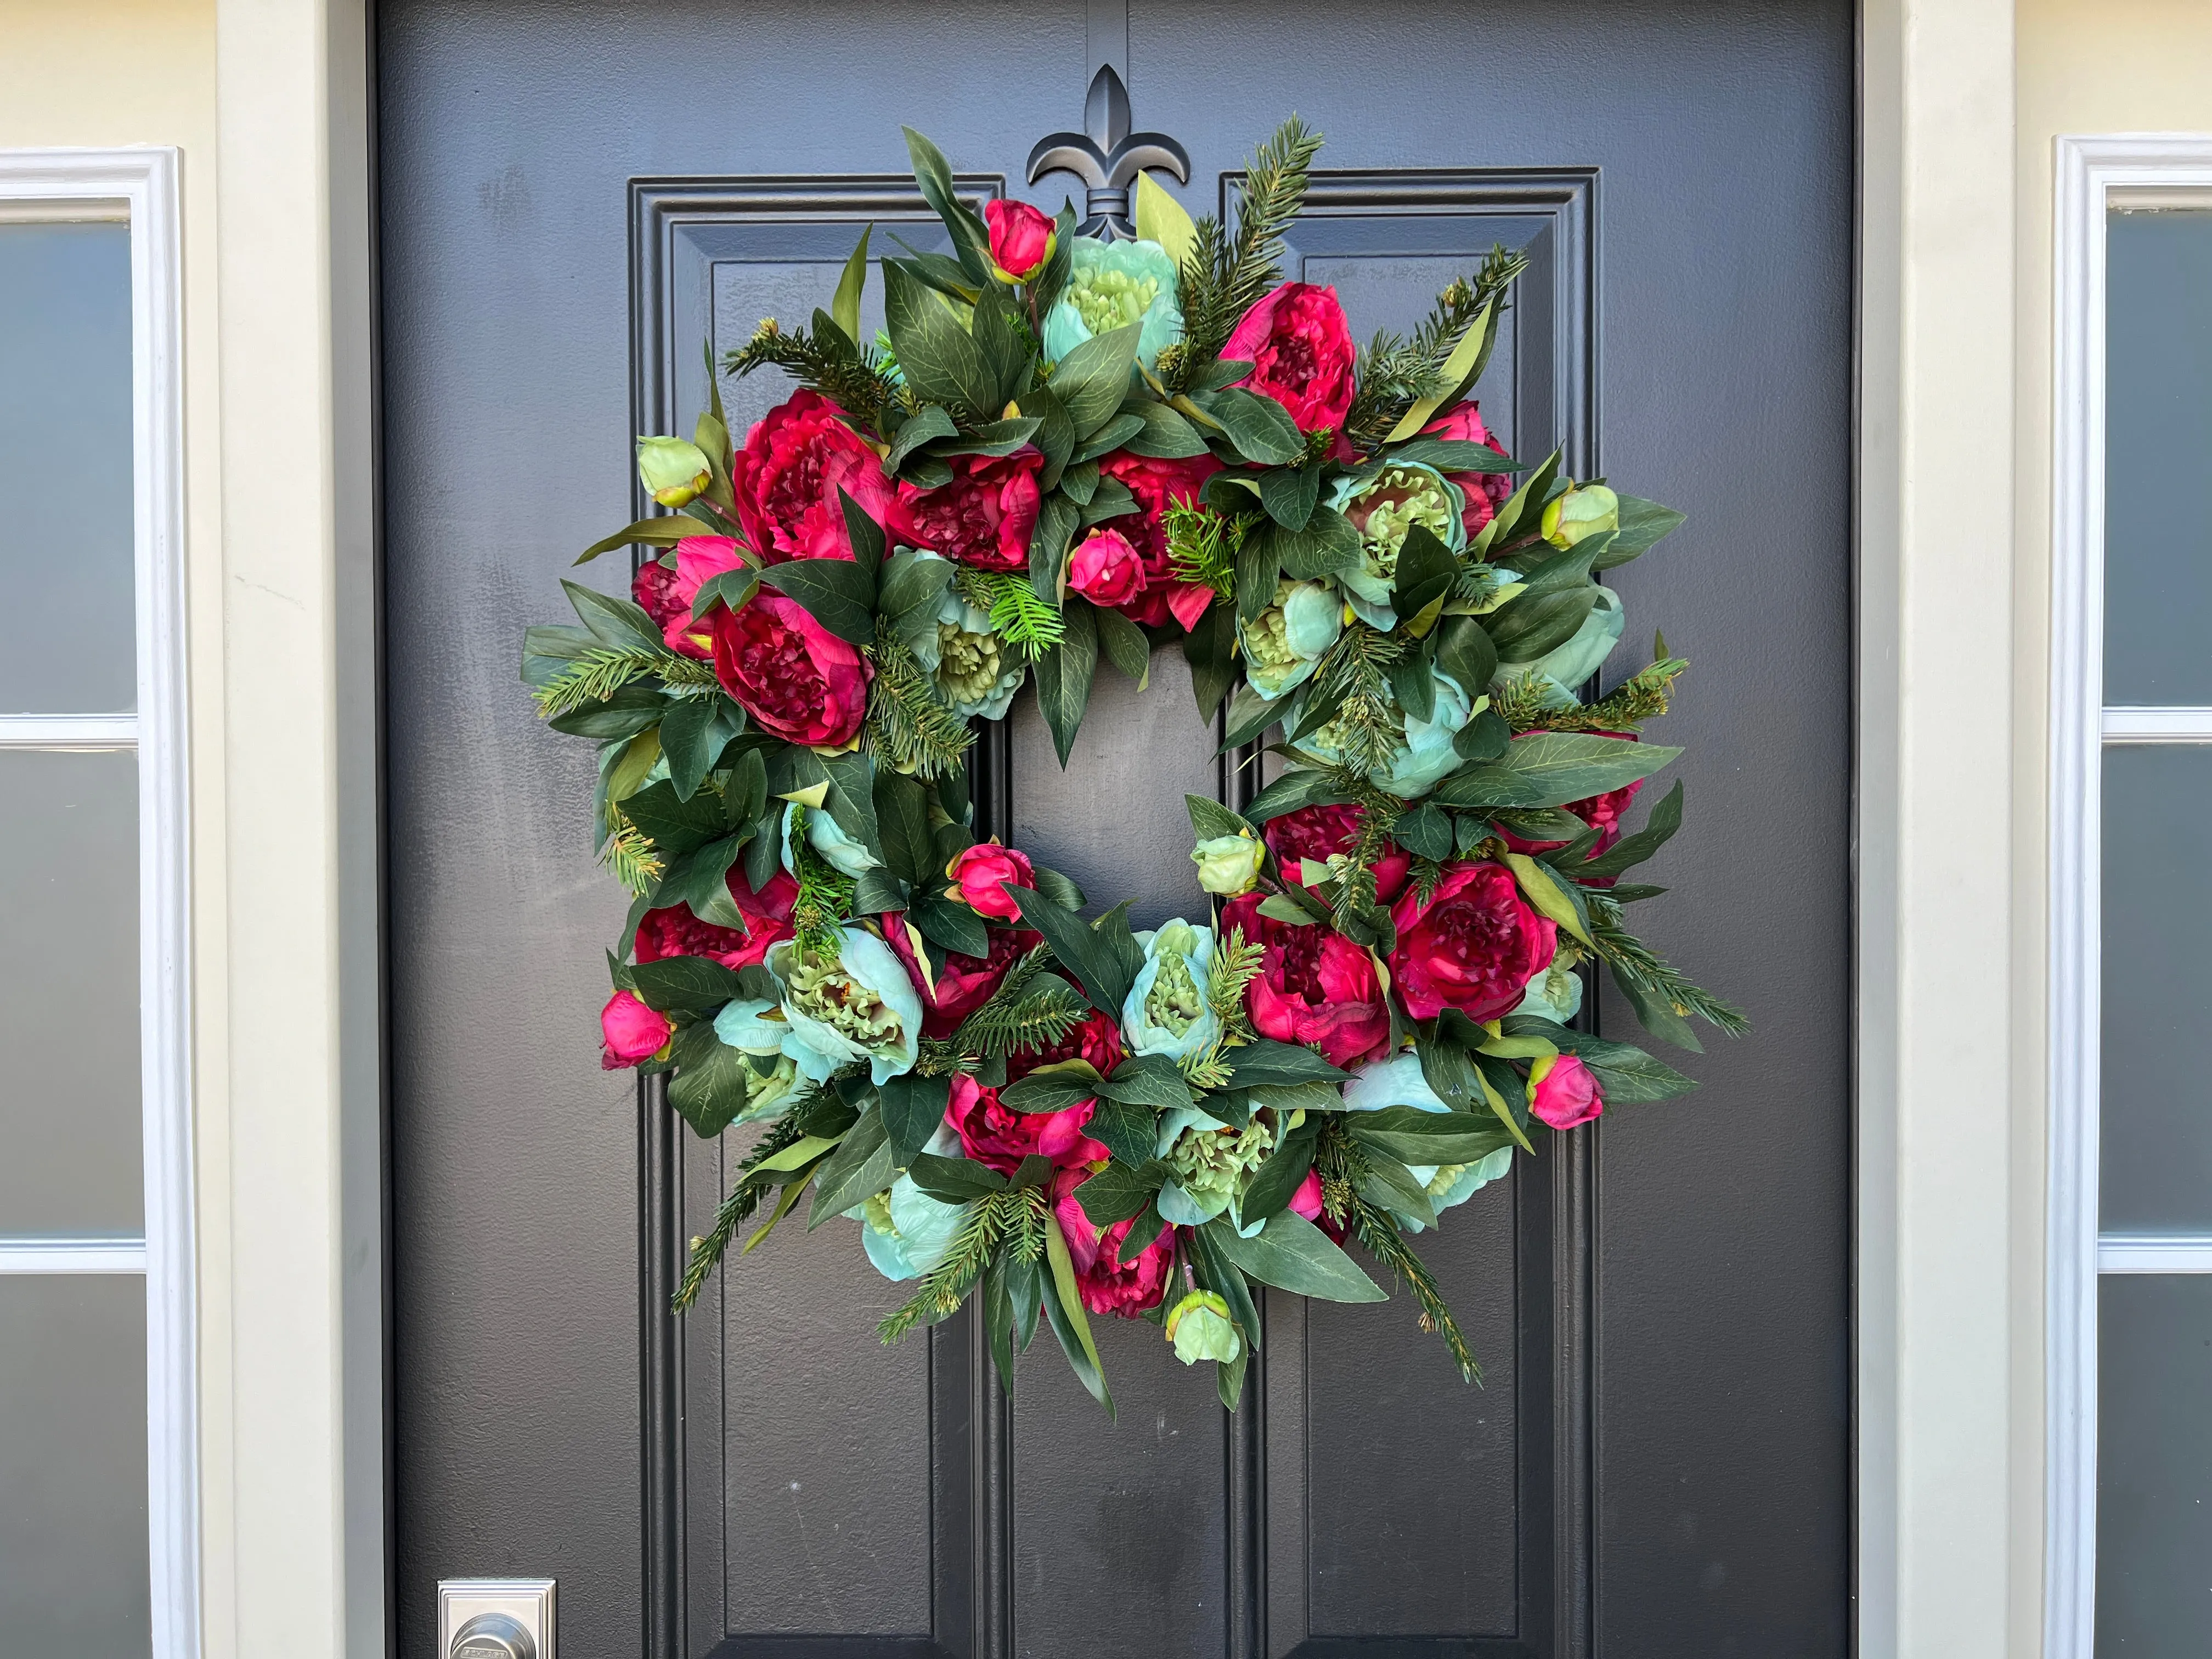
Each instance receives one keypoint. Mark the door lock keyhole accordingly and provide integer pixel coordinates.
(492, 1636)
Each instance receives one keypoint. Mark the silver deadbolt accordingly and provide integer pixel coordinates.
(495, 1619)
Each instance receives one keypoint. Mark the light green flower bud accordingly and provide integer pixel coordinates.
(672, 471)
(1201, 1328)
(1229, 865)
(1585, 510)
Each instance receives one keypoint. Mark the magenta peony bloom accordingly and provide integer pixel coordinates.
(629, 1031)
(1306, 1202)
(1158, 485)
(1021, 238)
(965, 983)
(979, 870)
(799, 681)
(1106, 570)
(983, 517)
(1315, 832)
(1315, 986)
(675, 931)
(1566, 1093)
(667, 596)
(992, 1135)
(787, 478)
(1098, 1040)
(1483, 492)
(1107, 1286)
(1474, 946)
(1300, 348)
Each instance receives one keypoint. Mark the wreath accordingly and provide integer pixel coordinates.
(1061, 447)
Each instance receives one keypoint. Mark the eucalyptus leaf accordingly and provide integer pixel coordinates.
(1293, 1254)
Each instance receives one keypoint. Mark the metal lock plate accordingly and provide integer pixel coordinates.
(495, 1619)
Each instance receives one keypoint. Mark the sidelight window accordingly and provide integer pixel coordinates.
(96, 1421)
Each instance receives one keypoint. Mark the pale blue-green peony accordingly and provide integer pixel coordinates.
(860, 1006)
(1383, 510)
(1285, 642)
(838, 850)
(758, 1027)
(976, 671)
(1210, 1161)
(1398, 1081)
(1169, 1010)
(1110, 285)
(1555, 994)
(1423, 757)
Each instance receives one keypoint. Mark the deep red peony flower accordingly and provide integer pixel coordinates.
(965, 983)
(1473, 946)
(1158, 485)
(980, 872)
(1485, 492)
(787, 477)
(1315, 986)
(992, 1135)
(799, 681)
(1097, 1039)
(629, 1032)
(1603, 813)
(1565, 1094)
(983, 517)
(1300, 348)
(1106, 570)
(1106, 1284)
(1021, 238)
(1315, 832)
(667, 596)
(675, 931)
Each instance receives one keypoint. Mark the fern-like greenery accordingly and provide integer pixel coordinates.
(1031, 1009)
(1233, 971)
(1651, 972)
(995, 1217)
(849, 375)
(825, 894)
(1016, 612)
(1396, 372)
(631, 854)
(1366, 730)
(597, 675)
(743, 1200)
(1337, 1159)
(1225, 274)
(1203, 544)
(910, 727)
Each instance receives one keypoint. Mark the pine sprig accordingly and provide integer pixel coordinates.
(1396, 372)
(1234, 969)
(1203, 545)
(1339, 1161)
(736, 1207)
(1022, 1013)
(631, 854)
(1651, 972)
(1016, 612)
(995, 1216)
(849, 375)
(1225, 275)
(597, 675)
(910, 727)
(1643, 696)
(1368, 731)
(825, 895)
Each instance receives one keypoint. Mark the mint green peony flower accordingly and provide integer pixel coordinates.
(1211, 1161)
(860, 1006)
(1555, 994)
(1201, 1328)
(1168, 1011)
(1383, 510)
(906, 1233)
(1424, 756)
(1110, 285)
(976, 671)
(1566, 667)
(838, 850)
(1398, 1081)
(757, 1028)
(1283, 644)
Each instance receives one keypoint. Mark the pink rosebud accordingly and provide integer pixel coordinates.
(1306, 1202)
(1300, 348)
(1106, 570)
(1022, 238)
(630, 1032)
(979, 871)
(1565, 1092)
(799, 681)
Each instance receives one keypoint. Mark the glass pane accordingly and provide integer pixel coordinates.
(69, 993)
(67, 644)
(2158, 430)
(2157, 1090)
(2154, 1466)
(73, 1538)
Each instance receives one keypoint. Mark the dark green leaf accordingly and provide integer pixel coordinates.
(1109, 499)
(683, 738)
(913, 1110)
(1465, 652)
(1210, 818)
(845, 307)
(1484, 738)
(1655, 1013)
(1290, 493)
(860, 1168)
(708, 1089)
(1414, 1136)
(1210, 649)
(867, 536)
(1125, 644)
(1456, 455)
(616, 622)
(1055, 435)
(1091, 381)
(1129, 1132)
(1300, 786)
(1626, 1074)
(932, 174)
(1293, 1254)
(683, 984)
(1277, 1180)
(624, 714)
(875, 891)
(938, 357)
(1266, 1060)
(1642, 524)
(1006, 358)
(1387, 1182)
(1147, 1080)
(1117, 431)
(1425, 831)
(1048, 1091)
(1260, 428)
(839, 593)
(665, 531)
(1057, 888)
(1120, 1191)
(1564, 766)
(1327, 545)
(1259, 565)
(927, 422)
(1413, 683)
(910, 591)
(953, 1180)
(950, 926)
(676, 826)
(1534, 623)
(1630, 850)
(1165, 435)
(992, 438)
(902, 822)
(1063, 676)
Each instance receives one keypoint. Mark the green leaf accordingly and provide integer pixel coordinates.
(992, 438)
(684, 984)
(616, 622)
(677, 826)
(1161, 218)
(1455, 455)
(1414, 1136)
(1424, 831)
(1293, 1254)
(1655, 1013)
(912, 1107)
(1460, 367)
(1120, 1191)
(1210, 649)
(1165, 435)
(1276, 1180)
(1328, 543)
(1210, 818)
(1257, 427)
(839, 593)
(1081, 952)
(684, 729)
(1044, 1092)
(1091, 381)
(845, 307)
(953, 1180)
(665, 531)
(696, 880)
(860, 1168)
(1056, 435)
(910, 591)
(1300, 786)
(1534, 623)
(1632, 850)
(1485, 785)
(1426, 571)
(1125, 644)
(1005, 357)
(1567, 766)
(708, 1089)
(1259, 562)
(1457, 1079)
(1266, 1060)
(939, 359)
(1063, 676)
(1290, 495)
(928, 423)
(971, 240)
(1109, 499)
(1626, 1074)
(1542, 890)
(1116, 433)
(1065, 1309)
(1147, 1080)
(1129, 1132)
(1057, 888)
(1465, 652)
(1643, 524)
(1389, 1183)
(903, 822)
(949, 927)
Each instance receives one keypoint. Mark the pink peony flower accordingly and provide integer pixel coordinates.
(1106, 570)
(1306, 1202)
(675, 932)
(1315, 832)
(787, 477)
(965, 983)
(1300, 348)
(1566, 1093)
(1158, 485)
(1106, 1284)
(629, 1031)
(984, 516)
(992, 1135)
(1474, 946)
(978, 872)
(1315, 986)
(1021, 238)
(1485, 492)
(667, 596)
(799, 681)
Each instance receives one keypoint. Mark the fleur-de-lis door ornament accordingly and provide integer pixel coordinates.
(1108, 157)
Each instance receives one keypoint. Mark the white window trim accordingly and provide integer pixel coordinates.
(140, 185)
(2094, 173)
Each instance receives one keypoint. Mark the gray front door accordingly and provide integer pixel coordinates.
(575, 192)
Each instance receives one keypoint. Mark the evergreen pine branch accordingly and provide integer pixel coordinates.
(1203, 545)
(1224, 276)
(1018, 1016)
(825, 895)
(1367, 729)
(597, 675)
(1339, 1160)
(1017, 614)
(1520, 703)
(1642, 696)
(946, 1285)
(1651, 972)
(631, 854)
(1234, 969)
(1396, 373)
(850, 376)
(910, 727)
(736, 1207)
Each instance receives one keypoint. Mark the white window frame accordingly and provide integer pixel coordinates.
(2094, 175)
(139, 186)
